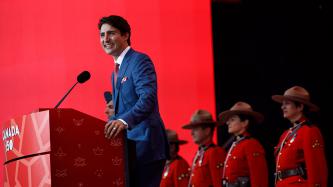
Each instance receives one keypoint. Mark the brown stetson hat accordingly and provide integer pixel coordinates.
(241, 108)
(200, 118)
(173, 137)
(298, 94)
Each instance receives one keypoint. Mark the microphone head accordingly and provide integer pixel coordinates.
(107, 96)
(83, 77)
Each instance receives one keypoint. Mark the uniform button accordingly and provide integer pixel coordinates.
(226, 166)
(192, 174)
(234, 157)
(278, 166)
(280, 153)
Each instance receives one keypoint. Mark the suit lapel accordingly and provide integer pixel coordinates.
(122, 70)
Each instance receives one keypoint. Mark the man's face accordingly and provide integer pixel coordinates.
(109, 110)
(200, 134)
(236, 126)
(173, 149)
(290, 110)
(112, 41)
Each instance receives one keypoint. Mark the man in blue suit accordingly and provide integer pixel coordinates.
(134, 95)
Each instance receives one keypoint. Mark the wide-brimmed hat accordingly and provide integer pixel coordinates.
(298, 94)
(241, 108)
(173, 137)
(200, 118)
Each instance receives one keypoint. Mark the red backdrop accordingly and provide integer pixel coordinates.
(46, 44)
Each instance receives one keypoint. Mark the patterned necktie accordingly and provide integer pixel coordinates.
(116, 70)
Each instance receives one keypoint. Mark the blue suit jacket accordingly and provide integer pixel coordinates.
(135, 101)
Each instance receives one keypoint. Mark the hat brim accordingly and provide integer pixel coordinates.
(224, 116)
(194, 125)
(180, 142)
(281, 98)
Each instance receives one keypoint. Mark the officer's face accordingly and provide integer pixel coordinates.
(173, 150)
(236, 126)
(112, 41)
(291, 111)
(200, 135)
(109, 110)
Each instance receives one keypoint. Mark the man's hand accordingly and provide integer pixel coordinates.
(113, 128)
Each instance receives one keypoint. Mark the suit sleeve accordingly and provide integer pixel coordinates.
(216, 166)
(145, 83)
(314, 156)
(255, 156)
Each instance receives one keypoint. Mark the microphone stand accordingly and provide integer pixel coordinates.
(65, 95)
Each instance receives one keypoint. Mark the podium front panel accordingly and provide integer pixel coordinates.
(32, 171)
(80, 153)
(26, 135)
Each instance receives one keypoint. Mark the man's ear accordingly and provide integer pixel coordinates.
(206, 130)
(301, 107)
(245, 123)
(126, 35)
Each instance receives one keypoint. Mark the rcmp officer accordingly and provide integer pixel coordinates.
(109, 109)
(207, 166)
(245, 164)
(176, 170)
(300, 157)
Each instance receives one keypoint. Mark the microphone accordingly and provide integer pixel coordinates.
(81, 78)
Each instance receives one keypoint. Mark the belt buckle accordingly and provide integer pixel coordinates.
(300, 171)
(224, 183)
(278, 175)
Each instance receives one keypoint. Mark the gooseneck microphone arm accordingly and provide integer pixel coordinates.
(62, 99)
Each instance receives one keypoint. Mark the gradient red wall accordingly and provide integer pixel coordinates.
(45, 44)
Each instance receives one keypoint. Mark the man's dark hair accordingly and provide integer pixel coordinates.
(298, 104)
(211, 126)
(117, 22)
(306, 111)
(250, 126)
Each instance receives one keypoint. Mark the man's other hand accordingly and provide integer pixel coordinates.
(113, 128)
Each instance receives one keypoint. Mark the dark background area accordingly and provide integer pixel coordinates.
(262, 48)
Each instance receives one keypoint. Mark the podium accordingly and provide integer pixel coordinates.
(62, 147)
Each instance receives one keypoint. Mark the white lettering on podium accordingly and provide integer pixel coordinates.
(8, 136)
